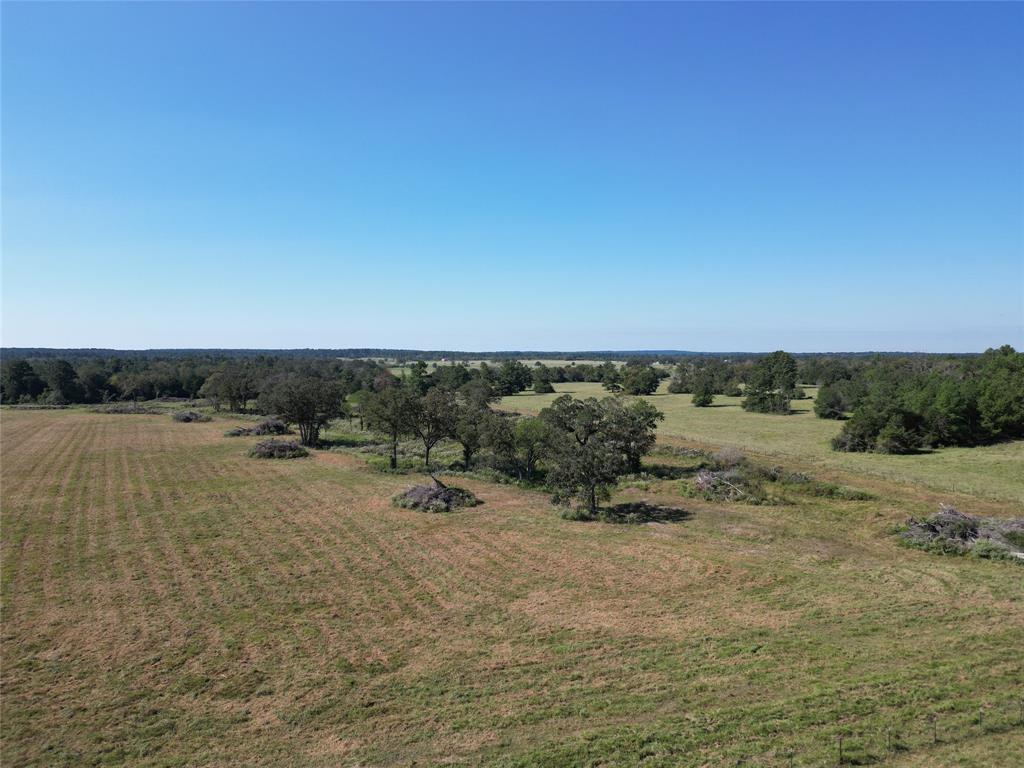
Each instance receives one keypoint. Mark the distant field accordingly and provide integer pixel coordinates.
(993, 471)
(399, 369)
(169, 601)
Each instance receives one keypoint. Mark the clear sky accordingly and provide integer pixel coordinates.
(568, 176)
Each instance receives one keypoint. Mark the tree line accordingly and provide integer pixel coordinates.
(893, 407)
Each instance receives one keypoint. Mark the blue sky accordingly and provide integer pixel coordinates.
(567, 176)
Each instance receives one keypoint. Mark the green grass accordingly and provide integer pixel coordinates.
(168, 601)
(995, 471)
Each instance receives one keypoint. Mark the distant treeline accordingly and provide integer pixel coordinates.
(409, 355)
(892, 403)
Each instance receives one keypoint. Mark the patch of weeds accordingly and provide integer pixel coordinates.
(278, 449)
(124, 408)
(406, 465)
(188, 417)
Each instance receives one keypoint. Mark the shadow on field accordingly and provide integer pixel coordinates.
(348, 442)
(642, 512)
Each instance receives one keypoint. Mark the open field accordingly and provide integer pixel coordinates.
(995, 471)
(169, 601)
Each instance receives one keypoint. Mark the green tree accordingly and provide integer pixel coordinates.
(682, 380)
(530, 435)
(584, 459)
(638, 379)
(432, 418)
(418, 379)
(63, 383)
(390, 412)
(542, 381)
(308, 402)
(233, 383)
(633, 428)
(772, 383)
(21, 382)
(703, 391)
(829, 403)
(513, 377)
(1001, 395)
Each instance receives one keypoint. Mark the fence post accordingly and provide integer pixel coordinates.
(935, 729)
(840, 740)
(888, 741)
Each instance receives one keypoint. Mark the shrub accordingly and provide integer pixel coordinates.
(238, 432)
(702, 398)
(124, 408)
(187, 417)
(278, 449)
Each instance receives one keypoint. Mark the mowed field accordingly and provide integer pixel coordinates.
(169, 601)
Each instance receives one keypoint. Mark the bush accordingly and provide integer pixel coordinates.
(187, 417)
(436, 497)
(702, 399)
(278, 449)
(124, 408)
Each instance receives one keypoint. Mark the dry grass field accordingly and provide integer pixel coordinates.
(169, 601)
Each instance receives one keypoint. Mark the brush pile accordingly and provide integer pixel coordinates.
(436, 497)
(951, 532)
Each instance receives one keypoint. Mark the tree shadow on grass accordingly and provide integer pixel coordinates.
(642, 512)
(349, 442)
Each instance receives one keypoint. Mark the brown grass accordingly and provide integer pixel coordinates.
(167, 600)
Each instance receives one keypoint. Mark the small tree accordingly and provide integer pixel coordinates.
(703, 391)
(389, 411)
(542, 381)
(433, 418)
(470, 430)
(530, 435)
(829, 403)
(305, 401)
